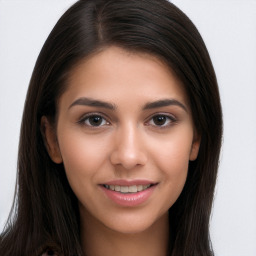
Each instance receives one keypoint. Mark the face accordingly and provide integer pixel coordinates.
(125, 136)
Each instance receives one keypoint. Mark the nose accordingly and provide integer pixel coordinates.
(129, 150)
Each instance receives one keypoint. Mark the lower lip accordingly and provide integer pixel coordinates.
(129, 199)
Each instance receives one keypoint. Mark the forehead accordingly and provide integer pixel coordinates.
(115, 74)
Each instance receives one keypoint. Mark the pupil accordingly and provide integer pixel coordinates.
(159, 120)
(95, 120)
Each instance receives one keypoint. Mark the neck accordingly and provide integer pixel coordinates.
(98, 240)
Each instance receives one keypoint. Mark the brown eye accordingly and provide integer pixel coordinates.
(159, 120)
(94, 121)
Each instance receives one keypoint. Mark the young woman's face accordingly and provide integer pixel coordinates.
(125, 136)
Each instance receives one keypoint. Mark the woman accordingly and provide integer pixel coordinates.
(120, 138)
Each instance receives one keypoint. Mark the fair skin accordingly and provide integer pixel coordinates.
(124, 121)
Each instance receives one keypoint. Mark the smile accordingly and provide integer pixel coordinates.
(129, 195)
(127, 189)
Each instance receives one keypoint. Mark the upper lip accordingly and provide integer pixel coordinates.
(130, 182)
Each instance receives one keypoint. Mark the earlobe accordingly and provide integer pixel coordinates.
(195, 148)
(50, 140)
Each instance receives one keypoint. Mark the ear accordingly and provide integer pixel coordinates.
(50, 140)
(195, 147)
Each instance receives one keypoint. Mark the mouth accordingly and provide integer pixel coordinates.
(128, 189)
(127, 193)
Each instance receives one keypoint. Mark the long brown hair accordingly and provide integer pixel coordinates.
(45, 210)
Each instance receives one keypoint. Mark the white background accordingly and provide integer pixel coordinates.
(229, 30)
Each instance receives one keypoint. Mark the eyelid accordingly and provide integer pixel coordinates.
(90, 114)
(167, 115)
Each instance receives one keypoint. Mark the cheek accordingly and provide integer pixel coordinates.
(172, 159)
(82, 156)
(172, 152)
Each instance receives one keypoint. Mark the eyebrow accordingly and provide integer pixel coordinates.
(164, 103)
(151, 105)
(92, 103)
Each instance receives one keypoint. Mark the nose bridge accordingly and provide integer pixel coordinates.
(128, 139)
(129, 150)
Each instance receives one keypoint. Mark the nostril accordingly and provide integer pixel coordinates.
(128, 150)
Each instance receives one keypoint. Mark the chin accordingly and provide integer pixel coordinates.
(136, 224)
(130, 228)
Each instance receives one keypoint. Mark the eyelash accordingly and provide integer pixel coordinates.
(171, 120)
(85, 118)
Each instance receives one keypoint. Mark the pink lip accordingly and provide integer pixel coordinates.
(129, 199)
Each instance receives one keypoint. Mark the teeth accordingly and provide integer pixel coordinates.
(124, 189)
(133, 189)
(139, 188)
(117, 188)
(145, 187)
(127, 189)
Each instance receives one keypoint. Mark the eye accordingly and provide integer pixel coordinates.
(94, 120)
(161, 120)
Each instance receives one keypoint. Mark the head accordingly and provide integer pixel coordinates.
(148, 29)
